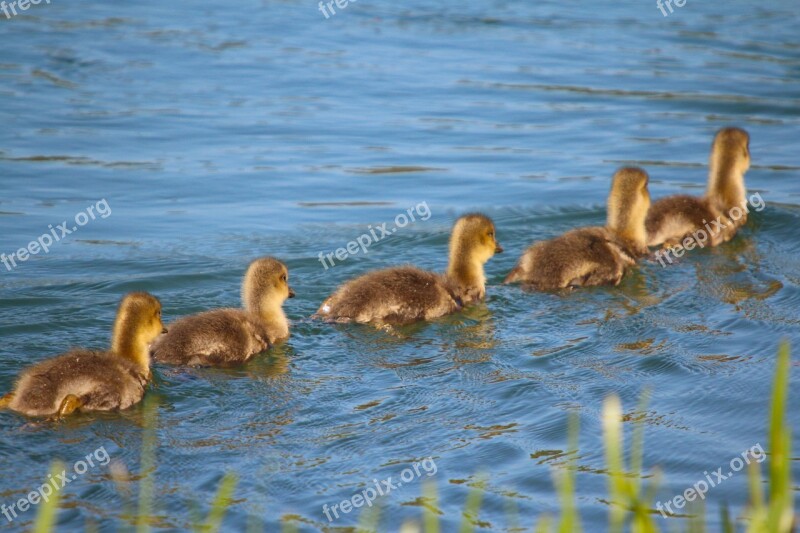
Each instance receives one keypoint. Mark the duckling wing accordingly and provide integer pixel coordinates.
(102, 382)
(393, 296)
(223, 337)
(671, 219)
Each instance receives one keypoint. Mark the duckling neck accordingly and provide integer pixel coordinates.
(466, 276)
(631, 230)
(274, 317)
(133, 348)
(726, 186)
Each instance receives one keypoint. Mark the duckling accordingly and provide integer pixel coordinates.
(407, 294)
(227, 337)
(597, 255)
(90, 380)
(674, 218)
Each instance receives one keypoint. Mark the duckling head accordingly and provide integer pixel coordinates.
(137, 325)
(730, 159)
(473, 242)
(628, 204)
(266, 287)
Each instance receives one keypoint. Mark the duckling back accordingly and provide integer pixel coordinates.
(394, 295)
(100, 380)
(223, 337)
(581, 257)
(673, 218)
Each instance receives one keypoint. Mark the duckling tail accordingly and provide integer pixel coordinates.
(514, 275)
(323, 313)
(5, 401)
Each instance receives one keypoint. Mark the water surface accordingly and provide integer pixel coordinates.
(220, 132)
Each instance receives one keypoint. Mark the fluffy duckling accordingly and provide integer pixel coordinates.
(406, 294)
(227, 337)
(593, 256)
(674, 218)
(95, 381)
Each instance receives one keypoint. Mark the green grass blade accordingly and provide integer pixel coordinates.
(473, 506)
(544, 525)
(780, 513)
(369, 519)
(429, 519)
(612, 435)
(46, 516)
(637, 443)
(754, 481)
(512, 512)
(780, 392)
(220, 504)
(565, 479)
(148, 463)
(288, 527)
(725, 519)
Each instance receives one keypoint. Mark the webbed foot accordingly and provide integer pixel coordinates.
(5, 401)
(69, 405)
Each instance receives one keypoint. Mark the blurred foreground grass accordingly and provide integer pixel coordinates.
(630, 502)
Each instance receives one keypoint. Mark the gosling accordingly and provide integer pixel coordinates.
(596, 255)
(229, 337)
(406, 294)
(721, 212)
(88, 380)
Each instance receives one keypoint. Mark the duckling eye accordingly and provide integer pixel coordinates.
(491, 234)
(283, 277)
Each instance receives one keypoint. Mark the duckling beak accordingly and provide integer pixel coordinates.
(291, 292)
(497, 248)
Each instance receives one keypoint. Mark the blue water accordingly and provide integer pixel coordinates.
(219, 132)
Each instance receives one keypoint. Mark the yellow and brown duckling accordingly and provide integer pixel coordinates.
(597, 255)
(718, 214)
(227, 337)
(89, 380)
(407, 294)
